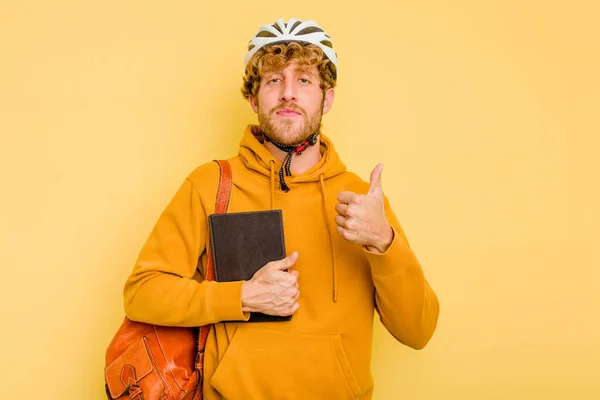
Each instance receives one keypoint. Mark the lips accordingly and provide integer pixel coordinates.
(288, 112)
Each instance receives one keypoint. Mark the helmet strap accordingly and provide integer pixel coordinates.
(290, 150)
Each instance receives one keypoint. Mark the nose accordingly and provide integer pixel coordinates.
(289, 91)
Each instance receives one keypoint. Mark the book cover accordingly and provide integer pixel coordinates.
(244, 242)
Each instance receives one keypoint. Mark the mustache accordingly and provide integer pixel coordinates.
(289, 107)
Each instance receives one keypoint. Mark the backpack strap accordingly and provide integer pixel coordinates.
(221, 205)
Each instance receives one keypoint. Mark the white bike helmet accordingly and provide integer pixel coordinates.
(294, 30)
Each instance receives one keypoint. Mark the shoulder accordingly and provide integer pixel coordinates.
(205, 178)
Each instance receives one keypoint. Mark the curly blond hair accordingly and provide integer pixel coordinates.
(278, 55)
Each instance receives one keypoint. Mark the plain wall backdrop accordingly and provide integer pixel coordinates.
(486, 114)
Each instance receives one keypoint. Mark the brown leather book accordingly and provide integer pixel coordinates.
(244, 242)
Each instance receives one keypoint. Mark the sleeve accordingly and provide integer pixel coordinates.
(162, 289)
(406, 304)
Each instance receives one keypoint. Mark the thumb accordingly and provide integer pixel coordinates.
(287, 262)
(375, 187)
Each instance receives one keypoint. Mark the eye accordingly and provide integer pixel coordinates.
(304, 80)
(274, 80)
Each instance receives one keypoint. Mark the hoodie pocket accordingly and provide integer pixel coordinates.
(263, 364)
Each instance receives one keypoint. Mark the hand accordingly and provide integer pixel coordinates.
(361, 217)
(272, 290)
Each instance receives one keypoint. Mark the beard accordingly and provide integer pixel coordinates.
(292, 131)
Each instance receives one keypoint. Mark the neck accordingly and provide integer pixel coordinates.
(300, 163)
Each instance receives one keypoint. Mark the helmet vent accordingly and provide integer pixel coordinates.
(265, 34)
(295, 25)
(276, 26)
(310, 29)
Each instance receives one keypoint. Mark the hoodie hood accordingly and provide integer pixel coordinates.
(257, 157)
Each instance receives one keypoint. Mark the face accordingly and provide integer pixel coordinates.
(290, 103)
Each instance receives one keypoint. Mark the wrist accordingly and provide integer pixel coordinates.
(384, 242)
(246, 288)
(247, 293)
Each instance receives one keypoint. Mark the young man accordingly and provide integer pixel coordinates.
(349, 253)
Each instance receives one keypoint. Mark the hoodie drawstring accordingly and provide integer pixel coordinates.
(272, 164)
(287, 161)
(327, 220)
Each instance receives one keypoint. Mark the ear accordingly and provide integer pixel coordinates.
(328, 100)
(253, 103)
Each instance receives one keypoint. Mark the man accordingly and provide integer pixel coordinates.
(350, 255)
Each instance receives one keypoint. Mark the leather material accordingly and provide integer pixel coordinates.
(224, 191)
(151, 362)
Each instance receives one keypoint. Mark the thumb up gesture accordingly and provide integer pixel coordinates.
(361, 217)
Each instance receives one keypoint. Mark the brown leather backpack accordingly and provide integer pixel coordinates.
(151, 362)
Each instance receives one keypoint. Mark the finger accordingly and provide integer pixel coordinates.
(346, 197)
(285, 263)
(346, 233)
(295, 273)
(342, 209)
(291, 294)
(291, 310)
(292, 279)
(282, 279)
(375, 186)
(341, 221)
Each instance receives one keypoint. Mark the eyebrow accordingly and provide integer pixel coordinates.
(300, 69)
(305, 71)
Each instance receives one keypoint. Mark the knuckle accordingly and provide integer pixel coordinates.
(271, 276)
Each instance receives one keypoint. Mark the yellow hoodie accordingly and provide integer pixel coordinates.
(324, 352)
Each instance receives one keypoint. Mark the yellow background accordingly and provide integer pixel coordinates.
(484, 112)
